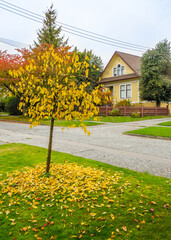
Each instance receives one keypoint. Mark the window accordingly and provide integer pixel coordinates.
(122, 91)
(114, 71)
(122, 70)
(125, 91)
(128, 91)
(119, 70)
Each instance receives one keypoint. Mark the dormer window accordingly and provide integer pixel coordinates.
(119, 70)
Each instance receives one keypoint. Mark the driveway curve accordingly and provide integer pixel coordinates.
(106, 144)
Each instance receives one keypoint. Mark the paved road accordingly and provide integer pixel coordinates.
(106, 144)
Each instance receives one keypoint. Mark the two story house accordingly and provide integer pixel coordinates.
(121, 76)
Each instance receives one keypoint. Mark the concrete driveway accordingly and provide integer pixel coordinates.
(106, 144)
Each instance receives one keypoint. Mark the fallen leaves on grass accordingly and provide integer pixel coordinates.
(85, 200)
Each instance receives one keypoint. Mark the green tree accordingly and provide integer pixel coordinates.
(50, 33)
(155, 67)
(95, 69)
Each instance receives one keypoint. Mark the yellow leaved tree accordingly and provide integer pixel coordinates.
(48, 88)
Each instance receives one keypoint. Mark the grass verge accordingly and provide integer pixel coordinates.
(118, 119)
(81, 199)
(60, 123)
(165, 123)
(153, 131)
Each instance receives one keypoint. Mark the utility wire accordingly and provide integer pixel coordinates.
(83, 36)
(101, 39)
(21, 8)
(80, 29)
(13, 43)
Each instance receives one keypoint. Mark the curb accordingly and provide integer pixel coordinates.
(148, 136)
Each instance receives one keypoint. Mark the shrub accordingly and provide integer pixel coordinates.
(114, 112)
(105, 98)
(136, 115)
(123, 103)
(12, 104)
(2, 104)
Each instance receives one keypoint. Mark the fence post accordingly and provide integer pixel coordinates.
(106, 110)
(167, 107)
(142, 111)
(124, 111)
(156, 111)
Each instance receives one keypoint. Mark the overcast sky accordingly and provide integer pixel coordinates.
(142, 22)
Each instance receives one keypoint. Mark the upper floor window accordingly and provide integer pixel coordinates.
(115, 71)
(122, 70)
(119, 70)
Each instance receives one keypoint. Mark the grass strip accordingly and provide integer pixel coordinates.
(60, 123)
(165, 123)
(119, 119)
(153, 131)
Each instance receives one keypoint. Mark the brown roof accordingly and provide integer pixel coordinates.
(132, 61)
(118, 78)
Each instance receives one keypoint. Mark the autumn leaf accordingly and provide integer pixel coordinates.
(124, 228)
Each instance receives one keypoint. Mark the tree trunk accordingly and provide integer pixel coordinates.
(158, 103)
(50, 146)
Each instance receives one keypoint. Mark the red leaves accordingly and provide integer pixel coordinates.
(9, 62)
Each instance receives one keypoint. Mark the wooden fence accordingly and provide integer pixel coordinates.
(127, 111)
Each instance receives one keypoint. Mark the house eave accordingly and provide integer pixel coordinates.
(119, 78)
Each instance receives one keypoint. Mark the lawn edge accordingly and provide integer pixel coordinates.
(147, 136)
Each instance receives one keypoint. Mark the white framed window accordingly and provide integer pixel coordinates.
(118, 70)
(125, 91)
(128, 91)
(122, 70)
(114, 71)
(122, 91)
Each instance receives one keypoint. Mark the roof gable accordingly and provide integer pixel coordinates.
(132, 61)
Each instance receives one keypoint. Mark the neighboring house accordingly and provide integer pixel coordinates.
(121, 76)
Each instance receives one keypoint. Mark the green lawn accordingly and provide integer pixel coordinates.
(166, 123)
(153, 131)
(59, 123)
(81, 199)
(118, 119)
(63, 123)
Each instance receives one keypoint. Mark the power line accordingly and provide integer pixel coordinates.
(21, 8)
(80, 29)
(20, 14)
(13, 43)
(14, 8)
(67, 28)
(127, 44)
